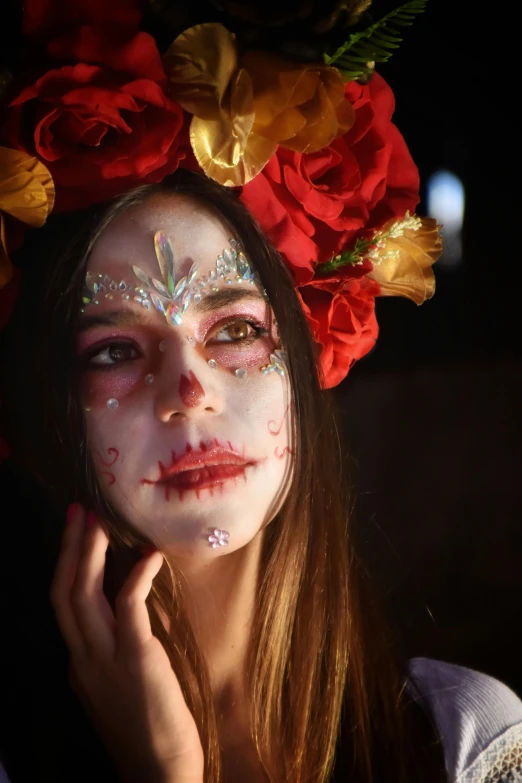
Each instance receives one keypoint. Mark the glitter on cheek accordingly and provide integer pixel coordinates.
(232, 356)
(98, 387)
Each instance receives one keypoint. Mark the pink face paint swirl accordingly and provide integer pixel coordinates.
(286, 450)
(116, 454)
(272, 424)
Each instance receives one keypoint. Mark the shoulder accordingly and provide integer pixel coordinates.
(478, 717)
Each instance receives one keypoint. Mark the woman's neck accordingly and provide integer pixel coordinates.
(221, 606)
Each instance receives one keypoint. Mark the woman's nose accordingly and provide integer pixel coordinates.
(187, 387)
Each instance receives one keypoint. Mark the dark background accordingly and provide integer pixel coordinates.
(432, 416)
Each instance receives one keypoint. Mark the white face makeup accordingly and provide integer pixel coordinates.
(188, 434)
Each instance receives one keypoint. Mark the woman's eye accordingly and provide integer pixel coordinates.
(113, 354)
(239, 331)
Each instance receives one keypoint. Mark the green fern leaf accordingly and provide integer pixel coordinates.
(376, 43)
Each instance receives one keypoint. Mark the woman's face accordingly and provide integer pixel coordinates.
(187, 433)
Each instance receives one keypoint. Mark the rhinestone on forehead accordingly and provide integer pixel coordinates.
(170, 296)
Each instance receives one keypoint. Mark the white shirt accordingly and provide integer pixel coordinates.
(479, 719)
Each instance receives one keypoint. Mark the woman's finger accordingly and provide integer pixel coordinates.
(94, 615)
(63, 578)
(133, 628)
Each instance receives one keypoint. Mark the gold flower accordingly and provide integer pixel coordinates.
(245, 107)
(26, 193)
(405, 251)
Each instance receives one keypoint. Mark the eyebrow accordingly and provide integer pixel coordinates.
(128, 317)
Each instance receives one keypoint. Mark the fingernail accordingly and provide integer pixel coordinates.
(150, 550)
(91, 519)
(72, 508)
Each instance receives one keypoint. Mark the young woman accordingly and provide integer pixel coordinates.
(190, 606)
(216, 619)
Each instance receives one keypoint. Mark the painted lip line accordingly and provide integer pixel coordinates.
(200, 469)
(196, 460)
(203, 477)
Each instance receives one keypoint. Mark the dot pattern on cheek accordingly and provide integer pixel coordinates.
(170, 296)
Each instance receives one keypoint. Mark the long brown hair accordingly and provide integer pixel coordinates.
(327, 689)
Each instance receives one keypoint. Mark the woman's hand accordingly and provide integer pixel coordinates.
(118, 668)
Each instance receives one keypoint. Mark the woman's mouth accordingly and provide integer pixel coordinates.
(206, 476)
(204, 468)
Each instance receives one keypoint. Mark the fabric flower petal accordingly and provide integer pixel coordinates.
(26, 193)
(98, 128)
(200, 64)
(245, 105)
(341, 316)
(403, 264)
(26, 187)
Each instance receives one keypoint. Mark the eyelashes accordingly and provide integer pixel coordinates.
(242, 333)
(103, 358)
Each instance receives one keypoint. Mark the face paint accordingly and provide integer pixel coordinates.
(190, 390)
(108, 463)
(172, 298)
(275, 429)
(195, 396)
(198, 468)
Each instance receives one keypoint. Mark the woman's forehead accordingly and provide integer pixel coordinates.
(195, 233)
(167, 254)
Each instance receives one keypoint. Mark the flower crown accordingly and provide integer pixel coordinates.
(284, 106)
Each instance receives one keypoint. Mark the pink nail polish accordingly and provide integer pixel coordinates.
(91, 519)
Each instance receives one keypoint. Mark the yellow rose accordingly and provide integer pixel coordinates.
(245, 107)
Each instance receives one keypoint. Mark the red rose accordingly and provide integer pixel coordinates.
(45, 18)
(311, 206)
(103, 125)
(341, 316)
